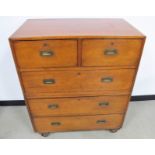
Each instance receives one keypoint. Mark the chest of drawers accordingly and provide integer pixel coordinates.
(76, 74)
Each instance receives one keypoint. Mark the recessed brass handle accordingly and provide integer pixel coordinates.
(106, 79)
(49, 81)
(103, 104)
(101, 121)
(46, 53)
(55, 123)
(53, 106)
(110, 52)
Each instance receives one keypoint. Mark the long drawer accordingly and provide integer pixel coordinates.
(56, 83)
(78, 106)
(53, 124)
(111, 52)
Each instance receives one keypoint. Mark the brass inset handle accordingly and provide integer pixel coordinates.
(48, 81)
(53, 106)
(103, 104)
(101, 121)
(110, 52)
(46, 53)
(55, 123)
(107, 79)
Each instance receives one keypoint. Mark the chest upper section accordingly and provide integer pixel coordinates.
(76, 43)
(72, 52)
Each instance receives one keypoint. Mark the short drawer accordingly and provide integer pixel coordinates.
(111, 52)
(78, 106)
(52, 124)
(64, 83)
(46, 53)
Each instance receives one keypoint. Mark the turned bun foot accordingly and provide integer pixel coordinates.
(113, 130)
(45, 134)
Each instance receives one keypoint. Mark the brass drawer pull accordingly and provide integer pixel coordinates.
(53, 106)
(48, 81)
(110, 52)
(103, 104)
(101, 121)
(107, 79)
(46, 53)
(55, 123)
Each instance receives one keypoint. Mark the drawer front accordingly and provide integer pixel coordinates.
(78, 106)
(53, 83)
(47, 53)
(111, 52)
(51, 124)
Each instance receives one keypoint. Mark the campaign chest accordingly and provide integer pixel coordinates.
(77, 74)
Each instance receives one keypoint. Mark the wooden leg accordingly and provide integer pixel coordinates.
(45, 134)
(113, 130)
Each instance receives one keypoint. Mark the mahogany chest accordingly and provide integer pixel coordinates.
(76, 74)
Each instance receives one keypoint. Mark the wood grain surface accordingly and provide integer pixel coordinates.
(53, 124)
(78, 106)
(127, 52)
(28, 53)
(77, 82)
(35, 29)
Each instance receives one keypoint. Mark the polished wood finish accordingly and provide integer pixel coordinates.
(128, 51)
(28, 53)
(75, 81)
(78, 106)
(55, 124)
(38, 29)
(68, 80)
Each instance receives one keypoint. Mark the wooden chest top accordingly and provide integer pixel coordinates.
(35, 29)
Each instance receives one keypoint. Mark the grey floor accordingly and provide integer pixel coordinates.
(139, 123)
